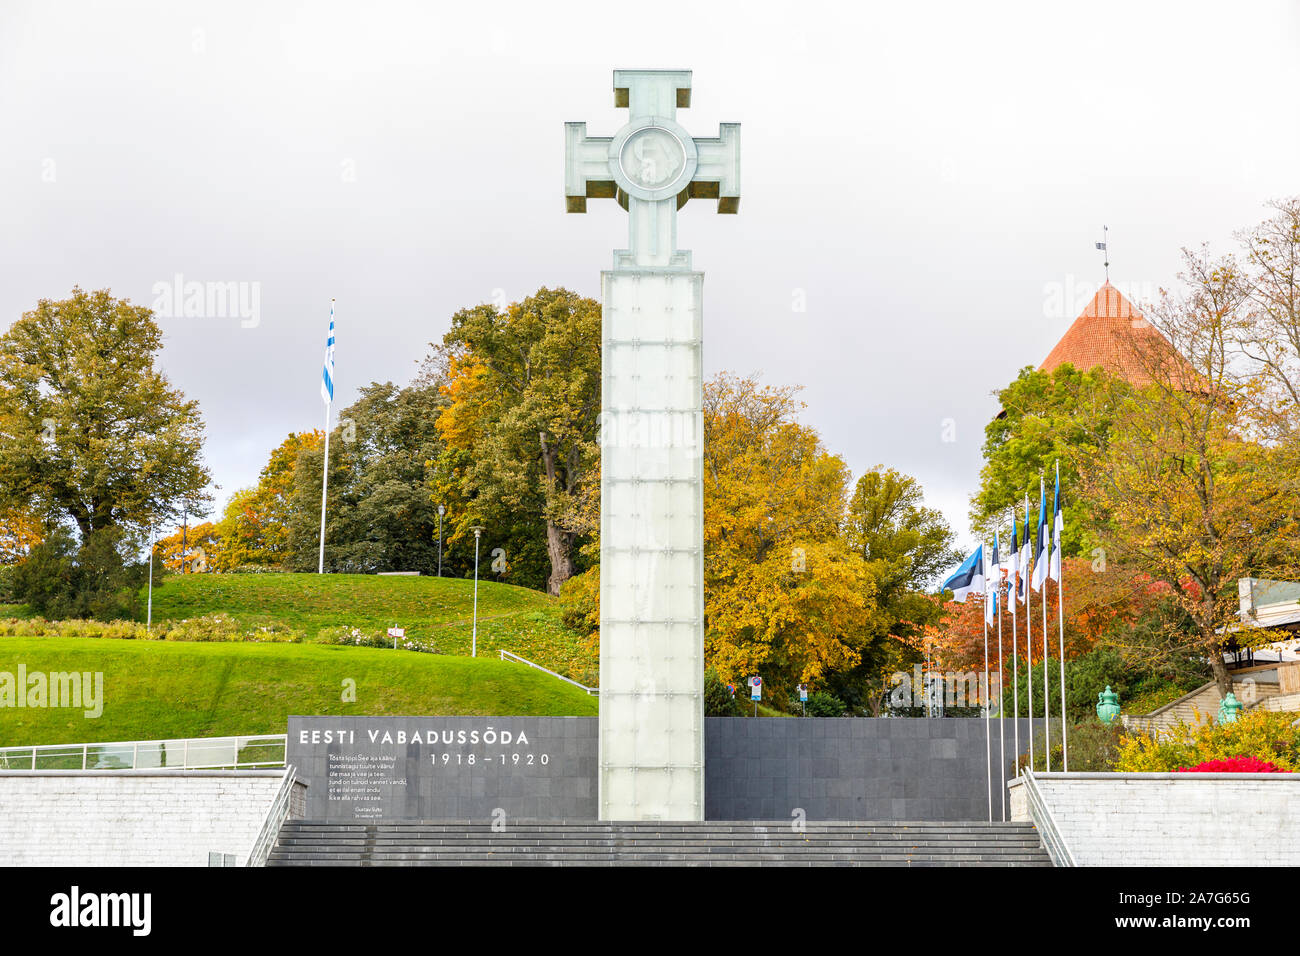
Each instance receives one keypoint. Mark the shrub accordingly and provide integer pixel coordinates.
(39, 627)
(222, 627)
(61, 580)
(1263, 734)
(822, 704)
(1141, 685)
(213, 627)
(1235, 765)
(352, 636)
(1094, 747)
(718, 701)
(580, 604)
(356, 637)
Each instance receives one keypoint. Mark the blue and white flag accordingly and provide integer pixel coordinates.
(1040, 540)
(1058, 525)
(327, 376)
(969, 578)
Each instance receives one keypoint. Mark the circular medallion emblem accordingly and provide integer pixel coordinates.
(653, 158)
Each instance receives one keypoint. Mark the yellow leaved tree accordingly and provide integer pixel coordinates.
(785, 596)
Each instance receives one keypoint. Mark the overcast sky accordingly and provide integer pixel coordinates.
(928, 178)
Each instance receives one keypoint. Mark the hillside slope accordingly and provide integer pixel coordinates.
(440, 610)
(156, 689)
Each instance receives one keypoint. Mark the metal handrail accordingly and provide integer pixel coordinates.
(194, 753)
(507, 655)
(275, 818)
(1053, 842)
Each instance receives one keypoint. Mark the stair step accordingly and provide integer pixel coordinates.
(646, 843)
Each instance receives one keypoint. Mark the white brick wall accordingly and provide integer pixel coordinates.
(1172, 819)
(131, 817)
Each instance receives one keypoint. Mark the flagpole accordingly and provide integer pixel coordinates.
(325, 478)
(1015, 641)
(324, 491)
(1029, 642)
(988, 738)
(1060, 610)
(1002, 717)
(1047, 706)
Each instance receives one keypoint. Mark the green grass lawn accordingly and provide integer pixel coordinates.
(517, 619)
(155, 689)
(433, 609)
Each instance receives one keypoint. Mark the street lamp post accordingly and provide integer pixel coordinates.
(148, 625)
(478, 530)
(441, 511)
(185, 527)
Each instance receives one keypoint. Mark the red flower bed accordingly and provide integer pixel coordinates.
(1234, 765)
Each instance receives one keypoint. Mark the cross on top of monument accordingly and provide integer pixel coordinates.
(652, 166)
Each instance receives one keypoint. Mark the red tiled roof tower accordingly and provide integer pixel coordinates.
(1105, 334)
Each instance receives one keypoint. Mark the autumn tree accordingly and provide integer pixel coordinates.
(20, 531)
(520, 426)
(1268, 333)
(785, 596)
(1185, 490)
(905, 546)
(90, 431)
(255, 525)
(191, 550)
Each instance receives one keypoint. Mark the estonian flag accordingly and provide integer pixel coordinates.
(1058, 525)
(1040, 540)
(969, 578)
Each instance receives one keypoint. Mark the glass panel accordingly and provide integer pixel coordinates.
(107, 757)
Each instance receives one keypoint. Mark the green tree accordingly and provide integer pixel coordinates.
(523, 390)
(1046, 417)
(718, 700)
(98, 579)
(90, 431)
(905, 546)
(380, 516)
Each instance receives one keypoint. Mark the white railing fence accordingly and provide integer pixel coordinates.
(259, 752)
(275, 818)
(1053, 842)
(508, 656)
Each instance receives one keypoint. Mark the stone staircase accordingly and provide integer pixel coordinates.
(444, 843)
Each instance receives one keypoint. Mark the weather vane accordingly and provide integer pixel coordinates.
(1104, 246)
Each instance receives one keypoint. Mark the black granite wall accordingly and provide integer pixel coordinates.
(853, 768)
(428, 768)
(451, 768)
